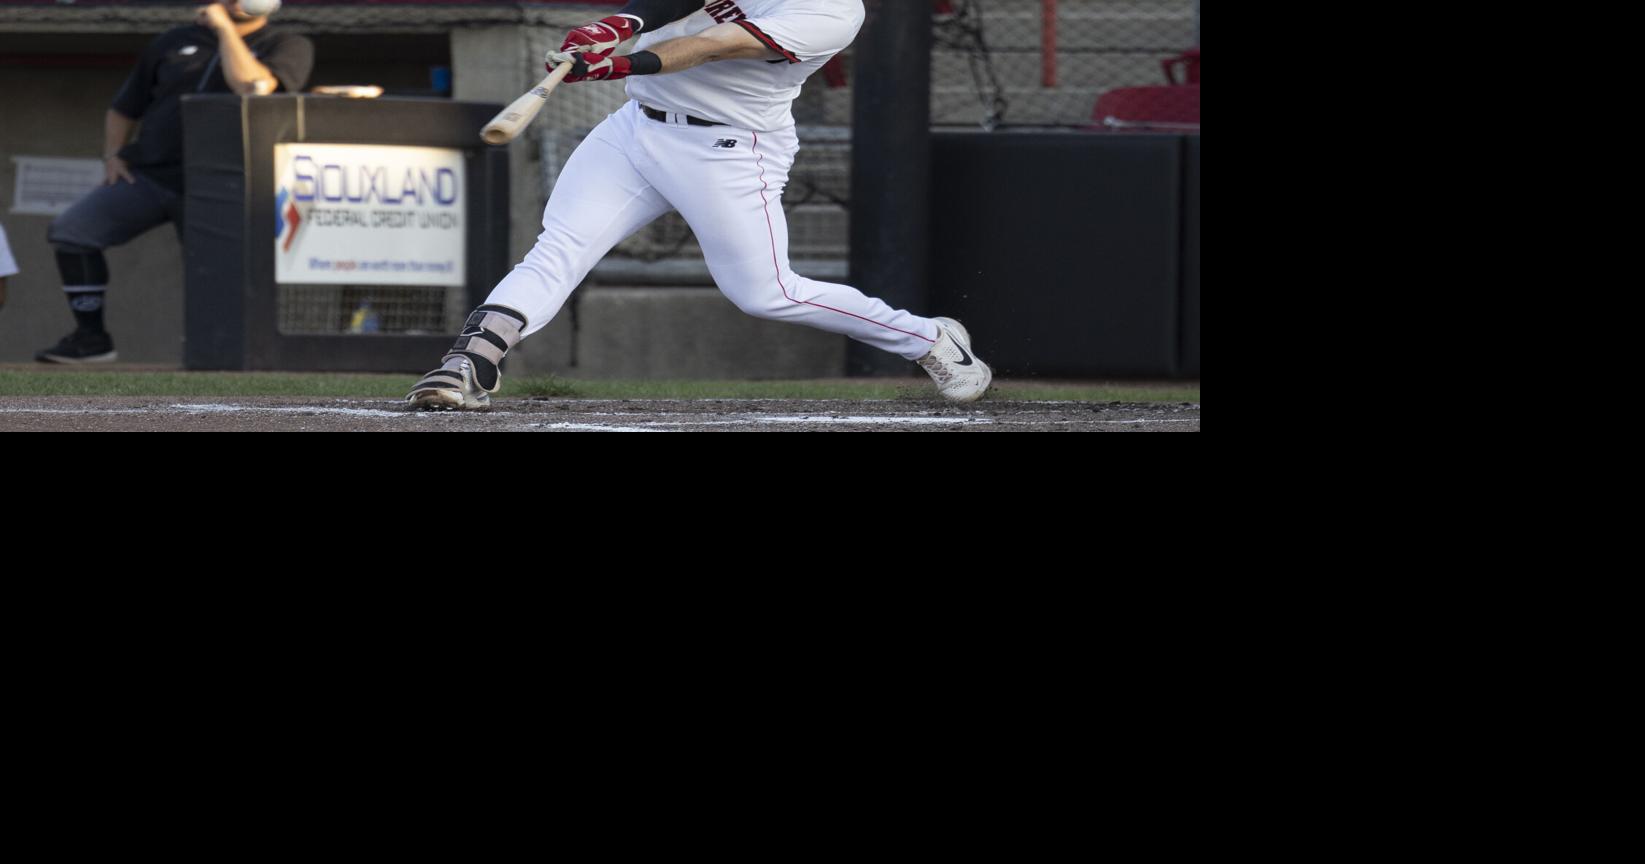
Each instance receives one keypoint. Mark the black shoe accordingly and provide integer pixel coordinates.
(78, 347)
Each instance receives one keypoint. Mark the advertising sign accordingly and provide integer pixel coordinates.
(369, 215)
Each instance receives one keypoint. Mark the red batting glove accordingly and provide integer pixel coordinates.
(591, 68)
(598, 39)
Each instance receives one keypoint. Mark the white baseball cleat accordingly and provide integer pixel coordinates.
(961, 376)
(450, 388)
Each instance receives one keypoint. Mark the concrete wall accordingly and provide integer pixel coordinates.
(689, 333)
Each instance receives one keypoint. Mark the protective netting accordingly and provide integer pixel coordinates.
(997, 62)
(1048, 62)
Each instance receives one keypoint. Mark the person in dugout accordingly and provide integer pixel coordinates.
(229, 48)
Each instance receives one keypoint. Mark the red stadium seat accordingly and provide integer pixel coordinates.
(1148, 109)
(1173, 108)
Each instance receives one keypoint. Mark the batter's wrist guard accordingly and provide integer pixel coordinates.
(644, 63)
(591, 68)
(487, 336)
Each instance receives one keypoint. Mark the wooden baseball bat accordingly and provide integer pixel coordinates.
(507, 126)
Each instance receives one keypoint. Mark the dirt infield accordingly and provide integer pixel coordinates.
(290, 414)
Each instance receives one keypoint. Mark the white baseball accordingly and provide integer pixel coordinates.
(259, 8)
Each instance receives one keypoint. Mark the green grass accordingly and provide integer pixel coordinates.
(76, 382)
(209, 384)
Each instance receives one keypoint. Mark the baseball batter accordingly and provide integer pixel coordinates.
(708, 131)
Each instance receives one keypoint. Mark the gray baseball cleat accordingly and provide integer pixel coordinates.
(450, 388)
(961, 376)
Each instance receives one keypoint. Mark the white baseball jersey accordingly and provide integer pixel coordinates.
(751, 94)
(8, 264)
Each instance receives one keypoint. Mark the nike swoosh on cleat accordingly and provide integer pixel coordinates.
(967, 360)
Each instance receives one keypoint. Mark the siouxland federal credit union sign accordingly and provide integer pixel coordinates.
(350, 214)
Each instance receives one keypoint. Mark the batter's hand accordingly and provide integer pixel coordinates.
(591, 68)
(597, 40)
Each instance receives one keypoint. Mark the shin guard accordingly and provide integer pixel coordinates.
(487, 336)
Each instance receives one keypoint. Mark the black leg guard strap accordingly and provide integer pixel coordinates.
(81, 267)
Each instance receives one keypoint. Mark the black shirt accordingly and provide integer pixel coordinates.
(183, 61)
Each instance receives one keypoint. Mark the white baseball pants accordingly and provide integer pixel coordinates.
(632, 170)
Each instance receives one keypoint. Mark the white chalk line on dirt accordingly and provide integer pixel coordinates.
(778, 420)
(863, 421)
(211, 408)
(591, 427)
(78, 411)
(758, 419)
(670, 426)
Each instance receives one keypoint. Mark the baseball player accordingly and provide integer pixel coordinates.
(8, 264)
(708, 131)
(226, 50)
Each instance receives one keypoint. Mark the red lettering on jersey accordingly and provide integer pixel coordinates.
(725, 10)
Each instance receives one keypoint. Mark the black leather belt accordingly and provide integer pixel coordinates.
(662, 117)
